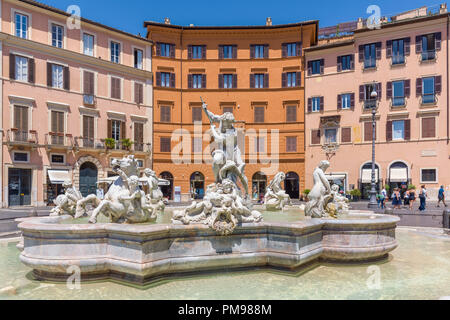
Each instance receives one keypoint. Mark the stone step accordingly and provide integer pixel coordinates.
(8, 226)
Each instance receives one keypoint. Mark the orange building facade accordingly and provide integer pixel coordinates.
(257, 73)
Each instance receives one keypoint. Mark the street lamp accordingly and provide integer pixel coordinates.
(373, 192)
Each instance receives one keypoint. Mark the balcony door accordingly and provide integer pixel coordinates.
(21, 123)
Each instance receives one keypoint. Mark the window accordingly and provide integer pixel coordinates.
(57, 127)
(315, 67)
(260, 144)
(398, 97)
(116, 90)
(196, 114)
(259, 51)
(365, 94)
(57, 76)
(228, 52)
(21, 68)
(346, 135)
(165, 114)
(429, 127)
(370, 56)
(57, 35)
(197, 80)
(227, 109)
(228, 81)
(291, 144)
(368, 131)
(88, 44)
(21, 157)
(429, 44)
(259, 80)
(346, 100)
(21, 25)
(316, 102)
(398, 51)
(292, 49)
(330, 135)
(138, 59)
(88, 87)
(165, 144)
(197, 52)
(21, 123)
(398, 130)
(164, 79)
(259, 114)
(140, 163)
(116, 130)
(197, 145)
(88, 131)
(138, 136)
(165, 50)
(115, 52)
(291, 114)
(315, 136)
(138, 93)
(428, 176)
(345, 63)
(291, 79)
(428, 95)
(57, 158)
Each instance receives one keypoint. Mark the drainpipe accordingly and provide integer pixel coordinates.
(181, 77)
(448, 116)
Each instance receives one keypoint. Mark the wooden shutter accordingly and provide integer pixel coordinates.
(298, 79)
(189, 52)
(221, 85)
(389, 90)
(158, 49)
(389, 131)
(315, 136)
(291, 144)
(12, 66)
(291, 114)
(284, 80)
(407, 84)
(54, 122)
(437, 37)
(418, 44)
(31, 71)
(379, 92)
(57, 125)
(346, 135)
(322, 66)
(196, 114)
(158, 78)
(252, 80)
(115, 88)
(252, 51)
(266, 80)
(21, 118)
(190, 81)
(203, 81)
(418, 87)
(339, 102)
(407, 46)
(138, 93)
(172, 80)
(309, 68)
(352, 101)
(234, 51)
(299, 49)
(309, 104)
(352, 62)
(438, 84)
(408, 129)
(66, 75)
(139, 133)
(368, 131)
(429, 127)
(49, 74)
(362, 93)
(361, 53)
(284, 50)
(109, 133)
(339, 63)
(389, 49)
(123, 129)
(321, 104)
(378, 50)
(259, 114)
(203, 52)
(172, 51)
(266, 51)
(221, 49)
(86, 83)
(234, 81)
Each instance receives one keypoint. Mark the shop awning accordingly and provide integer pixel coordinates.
(333, 177)
(398, 175)
(367, 176)
(58, 176)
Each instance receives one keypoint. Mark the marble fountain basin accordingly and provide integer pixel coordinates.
(141, 253)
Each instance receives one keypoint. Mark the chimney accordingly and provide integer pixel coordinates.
(268, 21)
(166, 21)
(443, 8)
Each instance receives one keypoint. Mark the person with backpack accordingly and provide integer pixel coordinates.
(423, 196)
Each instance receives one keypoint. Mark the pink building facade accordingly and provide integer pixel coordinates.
(406, 63)
(75, 95)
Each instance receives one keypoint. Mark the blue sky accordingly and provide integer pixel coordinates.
(129, 15)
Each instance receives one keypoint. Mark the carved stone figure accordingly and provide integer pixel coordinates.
(154, 195)
(224, 204)
(321, 189)
(336, 204)
(275, 197)
(66, 203)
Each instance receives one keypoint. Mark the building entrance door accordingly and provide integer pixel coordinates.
(88, 179)
(19, 187)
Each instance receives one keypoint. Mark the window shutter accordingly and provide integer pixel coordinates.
(158, 49)
(86, 84)
(309, 104)
(85, 127)
(418, 44)
(123, 129)
(388, 48)
(266, 80)
(203, 52)
(284, 50)
(172, 80)
(221, 81)
(339, 64)
(259, 114)
(315, 136)
(352, 62)
(221, 52)
(389, 90)
(321, 103)
(346, 135)
(234, 51)
(428, 128)
(418, 87)
(362, 93)
(234, 81)
(438, 84)
(12, 66)
(407, 84)
(299, 49)
(109, 133)
(368, 131)
(49, 75)
(284, 80)
(172, 51)
(204, 81)
(54, 126)
(408, 129)
(31, 71)
(298, 79)
(252, 80)
(252, 51)
(139, 133)
(322, 66)
(266, 51)
(389, 131)
(361, 53)
(138, 93)
(437, 37)
(379, 92)
(407, 46)
(309, 68)
(352, 101)
(158, 78)
(66, 73)
(190, 81)
(339, 102)
(378, 50)
(189, 52)
(291, 114)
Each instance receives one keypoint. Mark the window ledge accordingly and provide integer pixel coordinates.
(428, 60)
(398, 65)
(370, 69)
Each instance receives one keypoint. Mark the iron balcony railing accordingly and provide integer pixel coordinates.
(89, 143)
(58, 139)
(17, 136)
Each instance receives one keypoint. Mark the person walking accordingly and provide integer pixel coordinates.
(423, 196)
(396, 201)
(441, 196)
(406, 199)
(412, 198)
(383, 198)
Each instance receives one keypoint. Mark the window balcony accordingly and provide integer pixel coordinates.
(398, 102)
(370, 103)
(16, 137)
(142, 147)
(82, 143)
(54, 140)
(428, 99)
(428, 56)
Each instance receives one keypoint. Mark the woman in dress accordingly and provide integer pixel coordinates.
(412, 198)
(396, 201)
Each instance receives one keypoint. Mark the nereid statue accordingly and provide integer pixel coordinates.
(66, 203)
(275, 197)
(224, 204)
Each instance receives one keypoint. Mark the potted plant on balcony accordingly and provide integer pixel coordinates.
(110, 143)
(126, 144)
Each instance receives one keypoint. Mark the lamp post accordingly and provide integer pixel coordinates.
(373, 192)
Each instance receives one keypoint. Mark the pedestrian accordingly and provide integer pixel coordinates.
(412, 198)
(423, 196)
(396, 201)
(406, 198)
(441, 197)
(383, 198)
